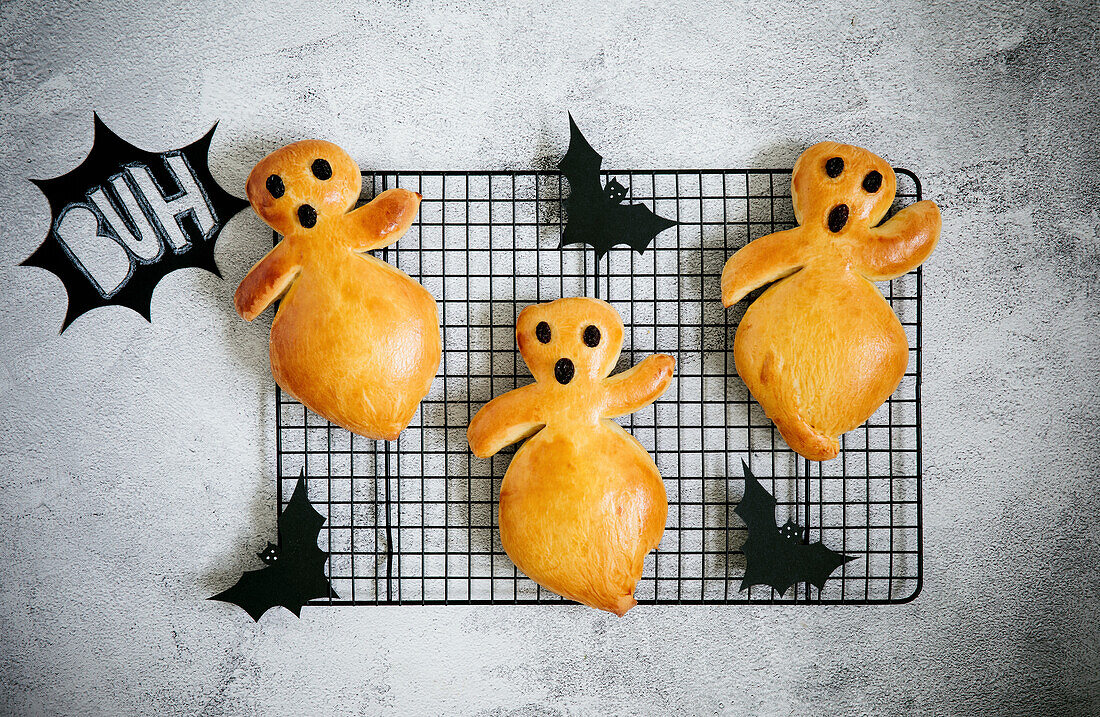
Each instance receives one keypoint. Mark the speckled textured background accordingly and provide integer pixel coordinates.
(137, 459)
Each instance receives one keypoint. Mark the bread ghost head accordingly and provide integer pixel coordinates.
(303, 185)
(306, 191)
(838, 186)
(570, 341)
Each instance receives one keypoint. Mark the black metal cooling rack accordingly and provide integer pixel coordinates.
(414, 522)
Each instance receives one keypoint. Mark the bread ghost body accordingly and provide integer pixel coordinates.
(821, 349)
(357, 342)
(580, 508)
(354, 339)
(582, 502)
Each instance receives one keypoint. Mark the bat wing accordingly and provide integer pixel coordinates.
(634, 225)
(302, 562)
(757, 508)
(581, 166)
(817, 563)
(256, 592)
(608, 224)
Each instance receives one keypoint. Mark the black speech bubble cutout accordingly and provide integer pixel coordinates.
(139, 202)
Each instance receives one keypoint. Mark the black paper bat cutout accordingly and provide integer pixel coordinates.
(774, 555)
(295, 572)
(125, 218)
(597, 216)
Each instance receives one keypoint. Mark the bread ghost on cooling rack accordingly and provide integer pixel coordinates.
(821, 349)
(582, 502)
(354, 339)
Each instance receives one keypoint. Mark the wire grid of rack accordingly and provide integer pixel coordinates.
(414, 521)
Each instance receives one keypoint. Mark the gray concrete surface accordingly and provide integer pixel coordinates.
(137, 458)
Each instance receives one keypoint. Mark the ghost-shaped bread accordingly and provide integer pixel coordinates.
(821, 349)
(582, 502)
(354, 339)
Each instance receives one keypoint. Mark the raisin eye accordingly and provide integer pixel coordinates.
(275, 186)
(872, 182)
(838, 217)
(321, 169)
(592, 337)
(834, 167)
(542, 332)
(307, 216)
(563, 371)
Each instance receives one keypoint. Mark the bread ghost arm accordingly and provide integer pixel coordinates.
(761, 262)
(508, 418)
(384, 220)
(638, 386)
(901, 244)
(267, 281)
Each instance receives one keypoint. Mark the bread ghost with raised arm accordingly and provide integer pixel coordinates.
(582, 502)
(354, 339)
(821, 349)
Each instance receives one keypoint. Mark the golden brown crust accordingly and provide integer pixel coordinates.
(901, 244)
(582, 502)
(637, 387)
(354, 339)
(768, 259)
(508, 418)
(821, 349)
(267, 281)
(384, 220)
